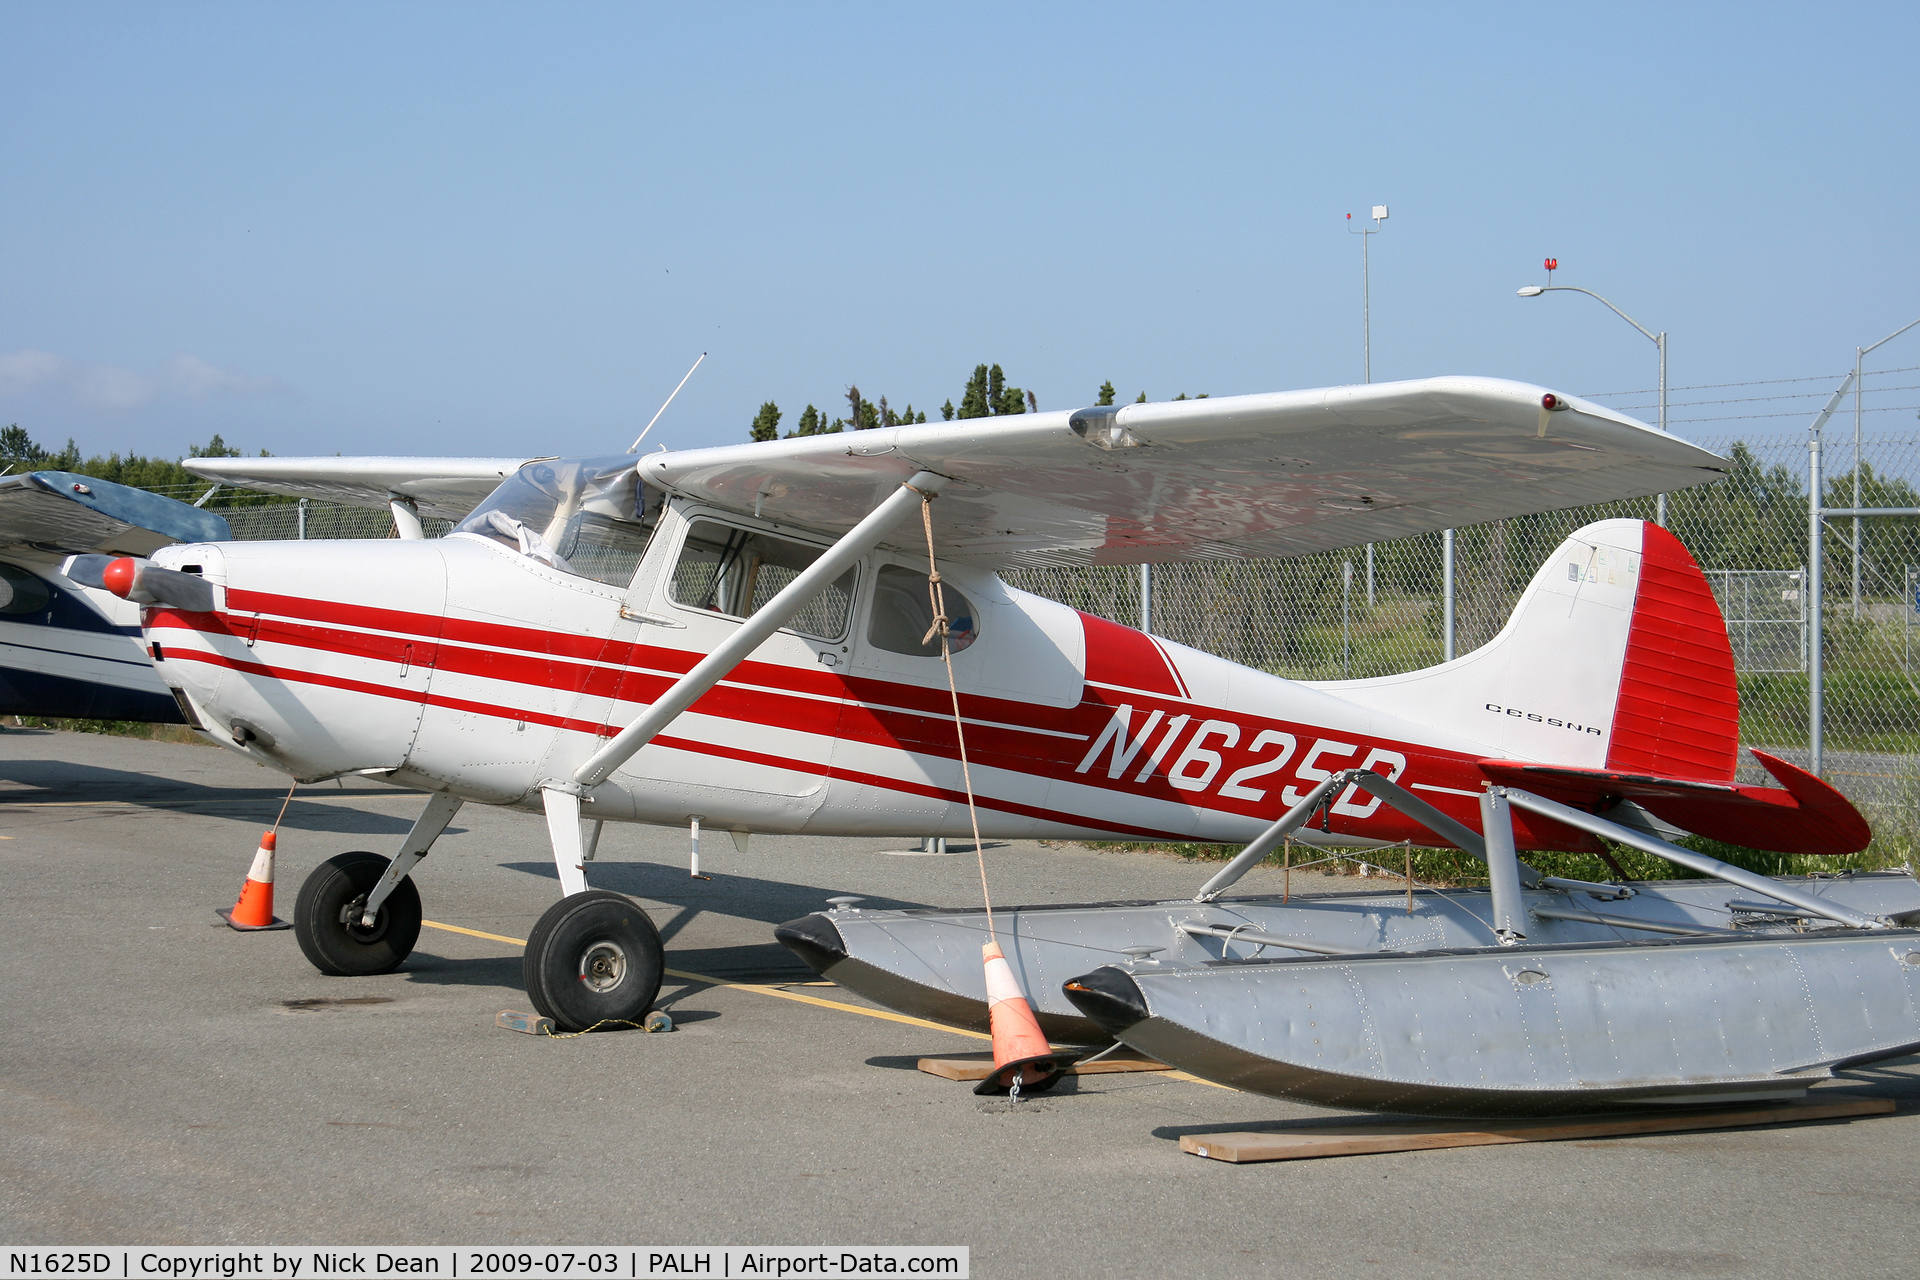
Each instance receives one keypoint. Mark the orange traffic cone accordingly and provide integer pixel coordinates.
(254, 911)
(1022, 1058)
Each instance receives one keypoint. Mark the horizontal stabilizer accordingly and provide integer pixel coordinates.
(1803, 815)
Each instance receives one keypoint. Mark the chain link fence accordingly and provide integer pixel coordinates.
(1380, 611)
(288, 521)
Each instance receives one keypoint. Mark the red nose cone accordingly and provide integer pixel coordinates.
(120, 577)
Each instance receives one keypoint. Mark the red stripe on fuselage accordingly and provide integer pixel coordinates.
(860, 710)
(694, 746)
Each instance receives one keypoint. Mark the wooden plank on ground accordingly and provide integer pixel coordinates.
(978, 1066)
(1388, 1135)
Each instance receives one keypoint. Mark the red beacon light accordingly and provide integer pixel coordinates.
(1553, 403)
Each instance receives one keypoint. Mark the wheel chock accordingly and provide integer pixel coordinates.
(534, 1025)
(531, 1023)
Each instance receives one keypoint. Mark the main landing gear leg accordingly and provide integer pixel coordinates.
(594, 956)
(569, 842)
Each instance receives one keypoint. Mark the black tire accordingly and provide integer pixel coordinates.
(326, 917)
(593, 957)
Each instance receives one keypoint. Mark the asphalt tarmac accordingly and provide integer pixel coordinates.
(166, 1080)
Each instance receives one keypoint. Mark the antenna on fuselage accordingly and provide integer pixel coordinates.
(635, 447)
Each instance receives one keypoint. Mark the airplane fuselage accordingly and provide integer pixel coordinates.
(461, 665)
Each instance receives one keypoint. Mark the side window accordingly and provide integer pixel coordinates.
(903, 614)
(736, 571)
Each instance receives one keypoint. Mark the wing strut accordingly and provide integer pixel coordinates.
(406, 516)
(716, 666)
(1693, 861)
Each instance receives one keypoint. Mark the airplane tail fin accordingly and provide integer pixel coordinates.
(1614, 679)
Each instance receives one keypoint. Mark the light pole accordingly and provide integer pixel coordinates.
(1659, 340)
(1366, 235)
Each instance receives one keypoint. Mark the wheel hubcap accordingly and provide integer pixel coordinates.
(350, 920)
(603, 967)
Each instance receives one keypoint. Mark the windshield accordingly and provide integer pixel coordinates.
(586, 516)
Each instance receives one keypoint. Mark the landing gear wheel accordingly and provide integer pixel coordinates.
(326, 917)
(593, 957)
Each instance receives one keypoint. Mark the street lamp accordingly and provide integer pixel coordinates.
(1659, 340)
(1366, 341)
(1366, 289)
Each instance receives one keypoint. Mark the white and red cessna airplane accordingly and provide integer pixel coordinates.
(737, 636)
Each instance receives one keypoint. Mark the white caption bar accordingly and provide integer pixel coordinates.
(621, 1262)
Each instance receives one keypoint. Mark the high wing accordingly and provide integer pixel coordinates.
(60, 513)
(445, 487)
(1280, 474)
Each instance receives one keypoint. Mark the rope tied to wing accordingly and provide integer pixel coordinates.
(937, 600)
(283, 806)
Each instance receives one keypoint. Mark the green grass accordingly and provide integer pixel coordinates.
(1448, 868)
(114, 728)
(1866, 710)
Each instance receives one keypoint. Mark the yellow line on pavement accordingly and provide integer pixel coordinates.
(474, 933)
(758, 988)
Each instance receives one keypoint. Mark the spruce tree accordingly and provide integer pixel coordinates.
(17, 446)
(946, 412)
(1106, 392)
(766, 423)
(974, 402)
(1003, 398)
(1141, 398)
(809, 423)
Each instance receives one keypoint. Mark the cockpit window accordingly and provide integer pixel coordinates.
(903, 615)
(585, 516)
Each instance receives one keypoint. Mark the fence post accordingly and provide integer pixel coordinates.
(301, 521)
(1346, 621)
(1446, 593)
(1816, 683)
(1146, 597)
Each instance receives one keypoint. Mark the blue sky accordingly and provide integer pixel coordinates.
(504, 229)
